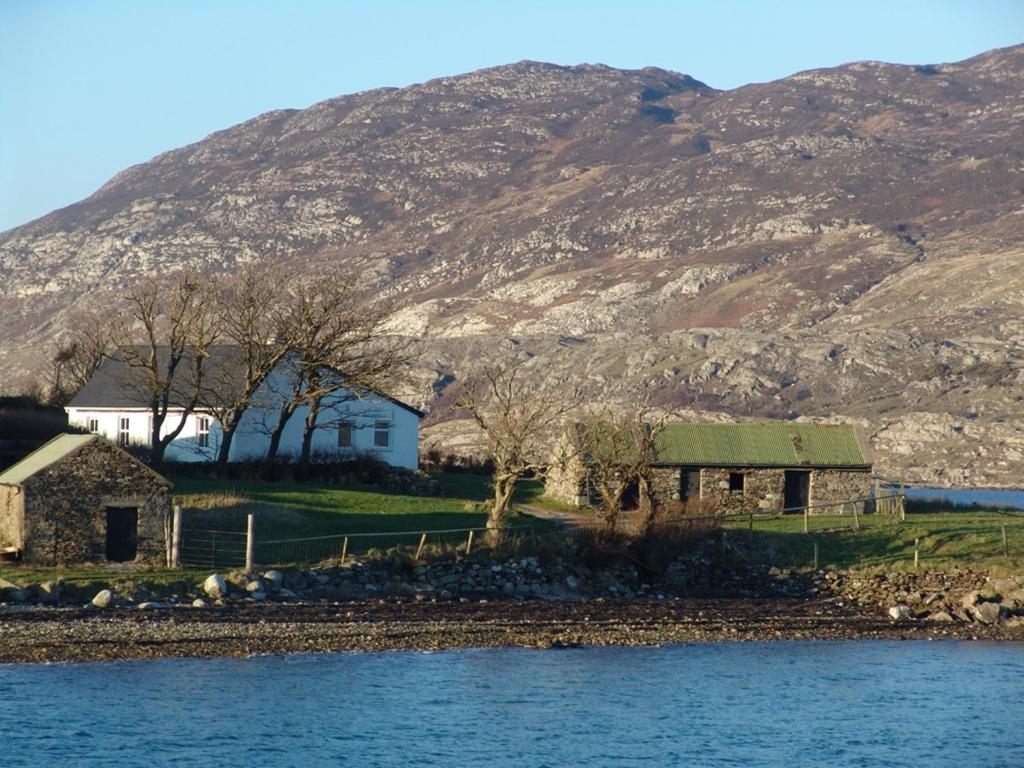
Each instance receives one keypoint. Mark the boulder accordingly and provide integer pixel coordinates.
(215, 586)
(901, 613)
(940, 617)
(989, 613)
(256, 585)
(274, 579)
(103, 599)
(971, 599)
(12, 593)
(258, 595)
(199, 603)
(48, 592)
(150, 605)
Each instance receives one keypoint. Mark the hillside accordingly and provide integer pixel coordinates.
(840, 243)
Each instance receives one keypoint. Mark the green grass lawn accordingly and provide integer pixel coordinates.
(373, 518)
(946, 538)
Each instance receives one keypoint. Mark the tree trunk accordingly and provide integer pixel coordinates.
(275, 437)
(156, 445)
(307, 435)
(504, 488)
(646, 504)
(227, 434)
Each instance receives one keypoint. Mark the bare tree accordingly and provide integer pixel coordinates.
(339, 350)
(77, 359)
(254, 320)
(616, 453)
(518, 416)
(163, 339)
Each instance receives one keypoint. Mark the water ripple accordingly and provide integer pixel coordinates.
(778, 704)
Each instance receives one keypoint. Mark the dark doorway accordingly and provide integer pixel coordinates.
(689, 485)
(122, 533)
(797, 489)
(630, 496)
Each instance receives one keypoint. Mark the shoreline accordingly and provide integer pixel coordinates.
(48, 635)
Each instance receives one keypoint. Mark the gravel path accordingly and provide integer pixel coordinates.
(39, 635)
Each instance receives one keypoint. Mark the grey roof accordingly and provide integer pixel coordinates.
(109, 386)
(46, 455)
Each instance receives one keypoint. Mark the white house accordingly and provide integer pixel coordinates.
(352, 423)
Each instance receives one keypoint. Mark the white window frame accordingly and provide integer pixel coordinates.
(382, 427)
(124, 431)
(203, 431)
(93, 425)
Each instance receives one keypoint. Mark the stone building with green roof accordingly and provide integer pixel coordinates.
(741, 467)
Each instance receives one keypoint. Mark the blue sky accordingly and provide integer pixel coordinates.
(89, 88)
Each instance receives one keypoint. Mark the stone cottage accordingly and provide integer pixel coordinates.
(80, 498)
(741, 467)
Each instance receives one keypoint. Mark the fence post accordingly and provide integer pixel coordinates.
(1006, 546)
(807, 519)
(344, 549)
(250, 540)
(176, 537)
(419, 549)
(815, 555)
(856, 519)
(916, 543)
(469, 543)
(750, 524)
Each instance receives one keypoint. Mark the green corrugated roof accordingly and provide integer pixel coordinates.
(756, 444)
(49, 453)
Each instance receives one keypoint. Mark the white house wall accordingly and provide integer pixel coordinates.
(252, 438)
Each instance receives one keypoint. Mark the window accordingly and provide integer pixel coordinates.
(382, 434)
(203, 431)
(736, 481)
(93, 425)
(345, 434)
(123, 431)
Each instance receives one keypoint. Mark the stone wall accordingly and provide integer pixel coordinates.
(665, 485)
(66, 503)
(828, 485)
(762, 489)
(565, 480)
(10, 516)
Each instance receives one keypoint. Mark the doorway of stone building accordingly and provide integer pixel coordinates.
(797, 489)
(122, 533)
(689, 485)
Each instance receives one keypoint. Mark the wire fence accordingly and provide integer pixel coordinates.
(837, 515)
(212, 549)
(219, 549)
(796, 537)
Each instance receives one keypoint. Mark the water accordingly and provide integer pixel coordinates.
(819, 704)
(1007, 498)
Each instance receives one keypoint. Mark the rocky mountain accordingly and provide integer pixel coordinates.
(844, 242)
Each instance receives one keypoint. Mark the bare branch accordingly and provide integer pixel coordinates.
(518, 421)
